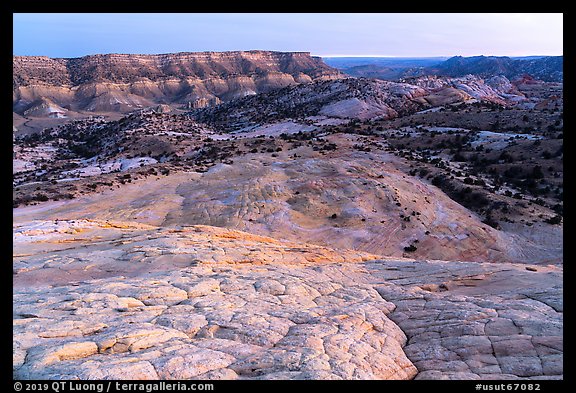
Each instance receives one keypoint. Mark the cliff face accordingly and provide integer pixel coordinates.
(119, 82)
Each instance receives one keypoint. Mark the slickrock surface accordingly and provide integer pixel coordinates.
(59, 252)
(469, 321)
(211, 303)
(378, 208)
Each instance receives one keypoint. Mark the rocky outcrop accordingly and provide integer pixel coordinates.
(182, 313)
(120, 82)
(442, 90)
(45, 107)
(359, 99)
(348, 98)
(107, 299)
(470, 321)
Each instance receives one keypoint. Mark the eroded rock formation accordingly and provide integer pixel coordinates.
(122, 82)
(105, 299)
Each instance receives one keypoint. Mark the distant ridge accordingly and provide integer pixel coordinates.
(548, 69)
(544, 68)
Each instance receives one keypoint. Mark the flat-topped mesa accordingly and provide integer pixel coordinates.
(124, 82)
(128, 68)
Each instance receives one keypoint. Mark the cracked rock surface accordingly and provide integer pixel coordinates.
(479, 321)
(201, 302)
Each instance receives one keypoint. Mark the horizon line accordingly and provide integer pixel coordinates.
(299, 51)
(435, 56)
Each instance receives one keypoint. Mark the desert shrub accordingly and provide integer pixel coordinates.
(491, 222)
(439, 180)
(41, 197)
(423, 172)
(513, 172)
(557, 219)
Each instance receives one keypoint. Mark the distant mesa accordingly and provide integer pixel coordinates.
(124, 82)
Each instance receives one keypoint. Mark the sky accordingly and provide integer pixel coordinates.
(322, 34)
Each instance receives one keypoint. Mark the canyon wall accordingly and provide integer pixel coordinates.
(124, 82)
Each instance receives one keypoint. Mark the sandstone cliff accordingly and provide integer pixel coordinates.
(122, 82)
